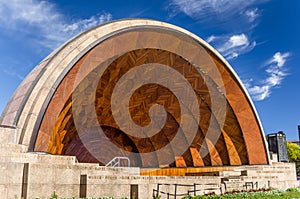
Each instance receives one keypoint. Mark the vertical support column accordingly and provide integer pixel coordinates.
(175, 191)
(25, 181)
(83, 186)
(298, 134)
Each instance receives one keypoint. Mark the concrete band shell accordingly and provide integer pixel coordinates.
(24, 112)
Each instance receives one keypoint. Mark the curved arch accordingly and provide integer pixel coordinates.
(53, 80)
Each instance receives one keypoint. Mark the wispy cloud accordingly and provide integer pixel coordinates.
(41, 27)
(43, 19)
(275, 71)
(221, 9)
(211, 38)
(279, 59)
(13, 73)
(242, 14)
(252, 14)
(231, 46)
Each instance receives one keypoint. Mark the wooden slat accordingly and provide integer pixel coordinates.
(239, 140)
(180, 162)
(197, 160)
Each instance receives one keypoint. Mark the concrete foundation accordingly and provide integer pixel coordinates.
(31, 175)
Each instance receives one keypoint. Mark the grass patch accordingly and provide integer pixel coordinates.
(255, 194)
(274, 194)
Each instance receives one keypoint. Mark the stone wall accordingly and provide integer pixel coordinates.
(7, 135)
(38, 175)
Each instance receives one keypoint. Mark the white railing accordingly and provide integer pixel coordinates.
(116, 162)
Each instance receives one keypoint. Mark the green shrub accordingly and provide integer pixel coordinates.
(54, 196)
(156, 197)
(257, 194)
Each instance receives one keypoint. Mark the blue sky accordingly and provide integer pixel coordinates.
(259, 38)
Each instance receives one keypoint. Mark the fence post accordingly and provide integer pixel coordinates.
(157, 192)
(175, 191)
(225, 187)
(194, 189)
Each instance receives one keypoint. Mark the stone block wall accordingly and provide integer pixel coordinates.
(38, 175)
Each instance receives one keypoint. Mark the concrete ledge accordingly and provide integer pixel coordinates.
(39, 175)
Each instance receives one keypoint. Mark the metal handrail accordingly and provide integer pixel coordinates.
(194, 190)
(115, 162)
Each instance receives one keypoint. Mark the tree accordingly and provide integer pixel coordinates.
(293, 152)
(294, 155)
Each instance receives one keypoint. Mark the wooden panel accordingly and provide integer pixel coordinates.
(58, 133)
(197, 160)
(245, 116)
(139, 106)
(184, 171)
(232, 151)
(180, 162)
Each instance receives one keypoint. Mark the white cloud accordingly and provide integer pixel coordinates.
(252, 14)
(232, 55)
(257, 92)
(279, 59)
(210, 39)
(200, 8)
(43, 20)
(238, 15)
(235, 41)
(231, 46)
(275, 75)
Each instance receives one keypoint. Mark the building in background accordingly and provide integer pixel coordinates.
(277, 146)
